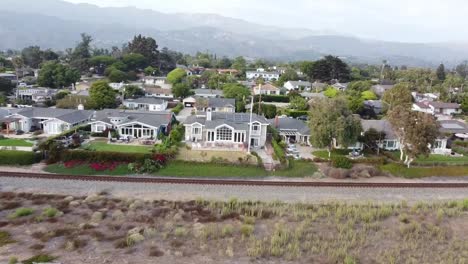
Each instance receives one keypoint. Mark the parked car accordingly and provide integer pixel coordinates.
(303, 118)
(19, 132)
(296, 156)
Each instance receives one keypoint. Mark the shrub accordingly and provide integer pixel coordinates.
(279, 152)
(227, 230)
(134, 238)
(246, 230)
(176, 110)
(259, 159)
(13, 260)
(42, 258)
(5, 238)
(50, 212)
(272, 98)
(13, 157)
(342, 163)
(180, 232)
(376, 161)
(296, 114)
(20, 212)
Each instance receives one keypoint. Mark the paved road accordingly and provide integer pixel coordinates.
(267, 193)
(186, 112)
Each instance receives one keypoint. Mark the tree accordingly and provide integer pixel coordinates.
(462, 69)
(399, 95)
(371, 139)
(307, 67)
(81, 54)
(332, 123)
(416, 132)
(360, 86)
(147, 47)
(117, 76)
(32, 56)
(102, 95)
(133, 91)
(268, 110)
(150, 71)
(330, 68)
(441, 72)
(331, 92)
(181, 90)
(355, 104)
(464, 105)
(239, 64)
(56, 75)
(298, 103)
(176, 76)
(368, 95)
(6, 86)
(72, 102)
(224, 63)
(235, 90)
(288, 75)
(135, 61)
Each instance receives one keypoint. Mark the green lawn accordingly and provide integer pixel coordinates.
(12, 142)
(103, 146)
(420, 172)
(442, 158)
(86, 170)
(299, 169)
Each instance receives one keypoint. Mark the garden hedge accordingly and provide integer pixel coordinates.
(296, 114)
(13, 157)
(272, 98)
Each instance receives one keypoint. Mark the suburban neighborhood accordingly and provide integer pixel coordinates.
(153, 150)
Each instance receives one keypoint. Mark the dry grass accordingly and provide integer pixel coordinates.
(229, 231)
(206, 156)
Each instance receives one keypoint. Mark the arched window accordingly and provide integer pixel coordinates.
(224, 134)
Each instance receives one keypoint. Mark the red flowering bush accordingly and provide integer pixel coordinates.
(160, 159)
(72, 163)
(104, 166)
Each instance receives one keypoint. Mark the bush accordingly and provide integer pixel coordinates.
(461, 143)
(342, 163)
(51, 212)
(259, 159)
(296, 114)
(246, 230)
(376, 161)
(272, 98)
(279, 152)
(176, 110)
(42, 258)
(13, 157)
(20, 212)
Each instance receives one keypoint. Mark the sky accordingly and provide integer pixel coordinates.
(393, 20)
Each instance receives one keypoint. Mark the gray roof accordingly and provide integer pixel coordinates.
(380, 126)
(312, 95)
(67, 115)
(208, 91)
(238, 121)
(444, 105)
(300, 83)
(155, 119)
(291, 124)
(453, 126)
(145, 100)
(221, 102)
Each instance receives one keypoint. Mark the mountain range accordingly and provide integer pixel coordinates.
(57, 24)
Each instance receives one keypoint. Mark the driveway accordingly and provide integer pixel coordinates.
(305, 152)
(186, 112)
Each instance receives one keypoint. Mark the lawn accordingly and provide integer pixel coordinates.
(13, 142)
(103, 146)
(206, 156)
(299, 169)
(421, 172)
(210, 170)
(442, 159)
(85, 169)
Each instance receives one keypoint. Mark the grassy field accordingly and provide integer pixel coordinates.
(206, 156)
(210, 231)
(420, 172)
(442, 159)
(299, 169)
(12, 142)
(103, 146)
(86, 170)
(323, 154)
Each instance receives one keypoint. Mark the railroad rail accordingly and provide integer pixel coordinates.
(234, 182)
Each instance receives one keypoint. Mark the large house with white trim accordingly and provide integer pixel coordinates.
(266, 89)
(226, 130)
(437, 108)
(292, 130)
(146, 104)
(297, 85)
(261, 73)
(133, 124)
(52, 121)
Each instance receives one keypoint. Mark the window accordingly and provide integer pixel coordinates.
(99, 128)
(438, 144)
(390, 144)
(196, 131)
(224, 134)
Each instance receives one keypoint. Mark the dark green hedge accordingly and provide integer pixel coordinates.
(13, 157)
(103, 156)
(296, 114)
(272, 98)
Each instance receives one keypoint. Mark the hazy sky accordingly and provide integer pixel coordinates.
(398, 20)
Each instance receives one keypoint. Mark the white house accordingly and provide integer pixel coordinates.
(222, 105)
(158, 92)
(35, 94)
(437, 108)
(418, 97)
(117, 86)
(157, 81)
(208, 93)
(133, 124)
(146, 104)
(226, 130)
(266, 89)
(52, 121)
(261, 73)
(297, 86)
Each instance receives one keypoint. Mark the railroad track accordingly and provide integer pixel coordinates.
(235, 182)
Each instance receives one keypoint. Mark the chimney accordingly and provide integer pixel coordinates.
(208, 114)
(276, 121)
